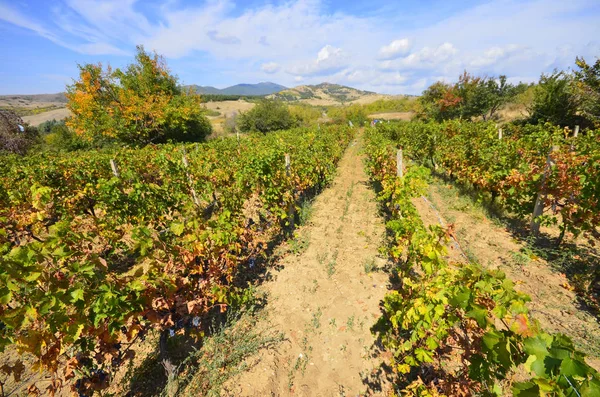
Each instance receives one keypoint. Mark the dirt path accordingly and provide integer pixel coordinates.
(491, 245)
(325, 298)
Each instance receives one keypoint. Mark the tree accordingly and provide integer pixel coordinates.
(587, 90)
(553, 100)
(440, 101)
(139, 105)
(268, 115)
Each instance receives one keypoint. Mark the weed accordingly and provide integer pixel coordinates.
(332, 322)
(222, 356)
(350, 323)
(520, 258)
(331, 265)
(370, 266)
(299, 243)
(305, 212)
(322, 257)
(316, 319)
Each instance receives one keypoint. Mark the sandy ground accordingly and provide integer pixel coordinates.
(494, 247)
(406, 116)
(323, 300)
(56, 114)
(228, 108)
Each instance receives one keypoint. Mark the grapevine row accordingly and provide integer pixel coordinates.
(458, 329)
(92, 258)
(517, 166)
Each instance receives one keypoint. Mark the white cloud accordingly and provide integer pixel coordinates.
(270, 67)
(395, 49)
(223, 41)
(329, 60)
(496, 54)
(425, 58)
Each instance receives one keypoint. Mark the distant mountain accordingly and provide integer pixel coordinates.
(325, 94)
(36, 98)
(240, 89)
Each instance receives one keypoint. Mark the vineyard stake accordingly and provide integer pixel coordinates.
(538, 209)
(399, 164)
(288, 165)
(115, 170)
(186, 165)
(499, 133)
(576, 131)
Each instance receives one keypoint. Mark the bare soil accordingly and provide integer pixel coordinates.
(492, 244)
(406, 116)
(325, 298)
(56, 114)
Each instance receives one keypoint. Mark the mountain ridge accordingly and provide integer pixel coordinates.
(259, 89)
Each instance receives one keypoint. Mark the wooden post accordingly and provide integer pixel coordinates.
(288, 165)
(115, 170)
(184, 160)
(499, 133)
(399, 164)
(576, 131)
(538, 209)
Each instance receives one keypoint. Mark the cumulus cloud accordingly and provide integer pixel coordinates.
(329, 60)
(270, 67)
(395, 49)
(225, 40)
(425, 58)
(495, 54)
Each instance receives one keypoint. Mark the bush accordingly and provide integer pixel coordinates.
(62, 139)
(15, 136)
(553, 100)
(355, 113)
(268, 115)
(139, 105)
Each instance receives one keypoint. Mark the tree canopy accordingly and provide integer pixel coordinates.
(138, 105)
(268, 115)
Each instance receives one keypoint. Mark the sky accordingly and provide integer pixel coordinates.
(393, 47)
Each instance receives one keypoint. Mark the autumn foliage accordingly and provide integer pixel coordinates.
(138, 105)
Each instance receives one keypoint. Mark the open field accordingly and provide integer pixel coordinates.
(406, 116)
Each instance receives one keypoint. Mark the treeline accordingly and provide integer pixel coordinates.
(563, 98)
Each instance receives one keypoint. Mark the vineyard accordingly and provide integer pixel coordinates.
(98, 248)
(456, 328)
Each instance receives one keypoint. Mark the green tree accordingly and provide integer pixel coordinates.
(440, 101)
(268, 115)
(553, 100)
(587, 90)
(138, 105)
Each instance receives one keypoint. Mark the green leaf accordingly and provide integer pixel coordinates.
(5, 296)
(526, 389)
(177, 228)
(77, 295)
(570, 367)
(590, 388)
(479, 314)
(424, 356)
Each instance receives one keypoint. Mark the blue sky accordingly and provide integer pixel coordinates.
(384, 46)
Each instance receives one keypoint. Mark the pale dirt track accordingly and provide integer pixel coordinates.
(323, 301)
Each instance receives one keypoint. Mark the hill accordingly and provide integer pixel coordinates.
(259, 89)
(326, 94)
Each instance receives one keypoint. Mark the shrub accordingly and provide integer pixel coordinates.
(268, 115)
(15, 136)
